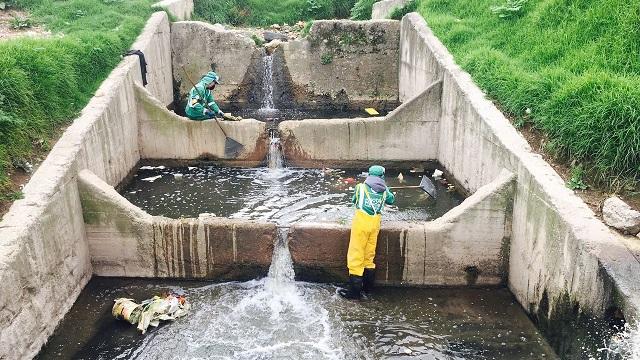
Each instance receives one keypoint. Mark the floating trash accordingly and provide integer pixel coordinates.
(151, 311)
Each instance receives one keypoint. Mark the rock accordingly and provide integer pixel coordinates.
(272, 46)
(621, 216)
(275, 27)
(270, 36)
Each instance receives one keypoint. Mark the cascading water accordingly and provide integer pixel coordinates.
(275, 159)
(267, 83)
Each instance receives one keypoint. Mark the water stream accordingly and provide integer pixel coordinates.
(267, 83)
(275, 158)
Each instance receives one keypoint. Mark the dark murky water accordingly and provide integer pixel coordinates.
(285, 195)
(268, 319)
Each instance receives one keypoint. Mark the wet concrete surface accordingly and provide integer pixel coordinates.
(283, 195)
(276, 319)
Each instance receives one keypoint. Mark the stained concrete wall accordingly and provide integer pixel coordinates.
(180, 9)
(341, 64)
(352, 62)
(126, 241)
(44, 256)
(560, 251)
(410, 132)
(383, 9)
(200, 47)
(469, 245)
(165, 135)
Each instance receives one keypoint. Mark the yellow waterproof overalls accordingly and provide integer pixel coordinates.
(364, 233)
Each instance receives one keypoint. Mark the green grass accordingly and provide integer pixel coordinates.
(575, 64)
(44, 83)
(267, 12)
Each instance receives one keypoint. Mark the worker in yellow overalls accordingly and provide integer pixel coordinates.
(369, 198)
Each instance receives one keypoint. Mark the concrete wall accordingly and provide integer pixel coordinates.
(126, 241)
(383, 9)
(469, 245)
(165, 135)
(410, 132)
(44, 256)
(199, 47)
(350, 62)
(560, 251)
(340, 64)
(180, 9)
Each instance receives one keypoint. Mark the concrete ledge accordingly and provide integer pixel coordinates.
(408, 133)
(383, 9)
(468, 246)
(126, 241)
(165, 135)
(180, 9)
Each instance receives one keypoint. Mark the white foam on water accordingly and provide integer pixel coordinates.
(624, 345)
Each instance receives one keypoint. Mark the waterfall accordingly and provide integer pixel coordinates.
(267, 83)
(281, 269)
(275, 160)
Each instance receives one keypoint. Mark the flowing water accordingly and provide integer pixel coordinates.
(277, 318)
(285, 195)
(267, 83)
(275, 159)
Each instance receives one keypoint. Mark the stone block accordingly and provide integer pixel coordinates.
(621, 216)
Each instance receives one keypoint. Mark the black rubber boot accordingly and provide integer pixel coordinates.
(368, 278)
(352, 292)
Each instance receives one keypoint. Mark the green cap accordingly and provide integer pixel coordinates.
(376, 170)
(211, 77)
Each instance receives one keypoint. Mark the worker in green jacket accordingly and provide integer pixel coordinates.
(200, 104)
(369, 198)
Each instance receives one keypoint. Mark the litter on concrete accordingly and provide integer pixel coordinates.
(151, 311)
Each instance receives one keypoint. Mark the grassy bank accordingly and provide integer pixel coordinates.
(44, 83)
(570, 68)
(267, 12)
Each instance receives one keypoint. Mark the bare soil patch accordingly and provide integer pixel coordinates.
(8, 30)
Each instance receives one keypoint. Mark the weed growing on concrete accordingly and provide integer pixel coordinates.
(573, 64)
(306, 29)
(326, 58)
(258, 40)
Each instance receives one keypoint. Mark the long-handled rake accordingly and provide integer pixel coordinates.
(426, 185)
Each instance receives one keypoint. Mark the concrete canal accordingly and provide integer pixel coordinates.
(135, 200)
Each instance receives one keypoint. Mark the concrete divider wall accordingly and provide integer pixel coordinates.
(560, 252)
(126, 241)
(349, 62)
(200, 47)
(44, 256)
(165, 135)
(411, 132)
(469, 245)
(340, 64)
(383, 9)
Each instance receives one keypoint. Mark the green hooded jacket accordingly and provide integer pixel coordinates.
(200, 99)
